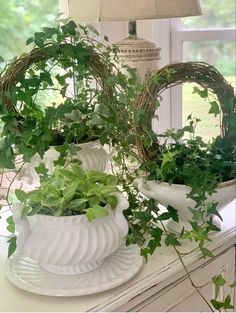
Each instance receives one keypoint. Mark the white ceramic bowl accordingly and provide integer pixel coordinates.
(71, 245)
(176, 196)
(92, 154)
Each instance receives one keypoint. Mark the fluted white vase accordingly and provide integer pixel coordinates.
(92, 155)
(176, 196)
(71, 245)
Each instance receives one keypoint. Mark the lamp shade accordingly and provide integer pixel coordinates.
(126, 10)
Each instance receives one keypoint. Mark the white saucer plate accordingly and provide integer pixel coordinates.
(118, 268)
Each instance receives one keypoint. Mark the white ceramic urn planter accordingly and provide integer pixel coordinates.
(71, 245)
(92, 155)
(176, 196)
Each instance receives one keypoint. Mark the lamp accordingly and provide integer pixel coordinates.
(134, 51)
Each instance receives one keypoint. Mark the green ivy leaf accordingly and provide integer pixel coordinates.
(215, 109)
(173, 213)
(29, 40)
(212, 209)
(216, 304)
(203, 93)
(12, 245)
(99, 211)
(69, 191)
(171, 240)
(205, 252)
(69, 28)
(227, 303)
(58, 212)
(41, 169)
(211, 226)
(144, 253)
(11, 224)
(96, 211)
(78, 204)
(112, 200)
(21, 195)
(102, 110)
(50, 31)
(152, 245)
(164, 216)
(157, 233)
(218, 280)
(232, 285)
(38, 39)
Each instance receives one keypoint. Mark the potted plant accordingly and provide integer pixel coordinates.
(72, 224)
(193, 179)
(71, 203)
(67, 91)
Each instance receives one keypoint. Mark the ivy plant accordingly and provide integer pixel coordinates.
(91, 97)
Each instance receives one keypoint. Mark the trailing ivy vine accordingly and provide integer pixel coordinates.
(106, 105)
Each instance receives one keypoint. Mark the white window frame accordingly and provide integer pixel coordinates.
(178, 37)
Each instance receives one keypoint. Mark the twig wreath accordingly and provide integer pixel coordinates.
(61, 55)
(203, 74)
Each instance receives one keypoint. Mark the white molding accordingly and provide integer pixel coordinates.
(204, 34)
(63, 9)
(178, 36)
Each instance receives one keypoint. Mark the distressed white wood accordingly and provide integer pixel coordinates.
(181, 296)
(163, 270)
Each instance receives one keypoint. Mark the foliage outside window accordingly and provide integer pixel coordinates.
(21, 18)
(220, 53)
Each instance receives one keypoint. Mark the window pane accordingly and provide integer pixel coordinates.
(20, 19)
(209, 126)
(222, 56)
(216, 13)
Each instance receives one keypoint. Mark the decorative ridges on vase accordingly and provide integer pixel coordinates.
(92, 154)
(73, 270)
(72, 241)
(29, 275)
(92, 242)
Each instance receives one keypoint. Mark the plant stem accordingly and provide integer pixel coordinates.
(9, 187)
(187, 272)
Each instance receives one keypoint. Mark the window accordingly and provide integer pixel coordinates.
(209, 38)
(19, 19)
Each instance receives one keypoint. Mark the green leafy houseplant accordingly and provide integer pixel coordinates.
(113, 111)
(90, 110)
(182, 159)
(97, 106)
(179, 159)
(70, 203)
(70, 191)
(66, 192)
